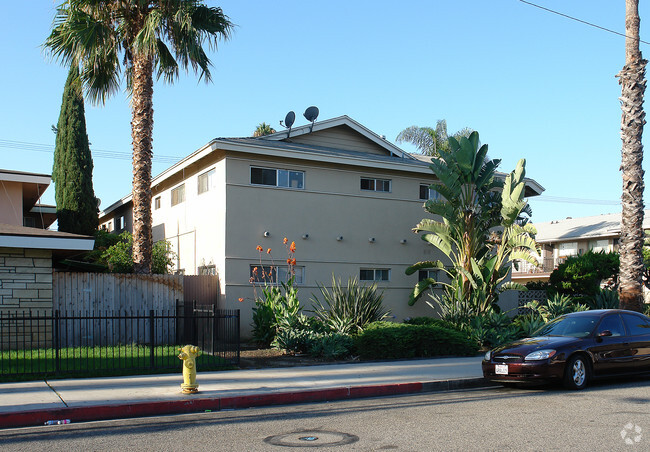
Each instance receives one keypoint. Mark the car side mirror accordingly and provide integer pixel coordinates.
(605, 333)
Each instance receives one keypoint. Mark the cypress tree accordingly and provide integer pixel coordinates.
(76, 205)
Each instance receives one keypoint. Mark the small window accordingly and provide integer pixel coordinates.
(178, 195)
(299, 273)
(277, 177)
(424, 274)
(110, 226)
(374, 274)
(119, 223)
(568, 249)
(29, 222)
(427, 193)
(206, 181)
(599, 245)
(375, 184)
(207, 270)
(275, 275)
(156, 203)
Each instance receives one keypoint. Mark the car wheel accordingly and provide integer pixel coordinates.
(576, 372)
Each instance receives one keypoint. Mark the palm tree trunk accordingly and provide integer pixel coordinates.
(632, 81)
(142, 135)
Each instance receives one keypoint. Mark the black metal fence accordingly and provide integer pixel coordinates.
(40, 343)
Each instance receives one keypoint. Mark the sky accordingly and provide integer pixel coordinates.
(535, 85)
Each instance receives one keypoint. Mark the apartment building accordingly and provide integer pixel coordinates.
(347, 197)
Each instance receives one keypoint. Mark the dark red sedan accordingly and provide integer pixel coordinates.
(574, 348)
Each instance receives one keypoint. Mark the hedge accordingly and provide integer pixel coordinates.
(386, 340)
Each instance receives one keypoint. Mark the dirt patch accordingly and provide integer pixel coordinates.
(268, 357)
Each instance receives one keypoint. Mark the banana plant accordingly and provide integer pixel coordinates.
(482, 227)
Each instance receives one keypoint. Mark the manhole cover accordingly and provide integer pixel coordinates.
(312, 438)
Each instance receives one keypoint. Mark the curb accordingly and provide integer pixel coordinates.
(143, 409)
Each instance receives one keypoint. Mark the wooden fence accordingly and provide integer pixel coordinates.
(99, 292)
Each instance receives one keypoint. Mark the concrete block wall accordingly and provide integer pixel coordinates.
(25, 284)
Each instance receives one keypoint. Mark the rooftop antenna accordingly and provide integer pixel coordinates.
(288, 121)
(311, 114)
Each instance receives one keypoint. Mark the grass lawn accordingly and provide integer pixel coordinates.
(130, 359)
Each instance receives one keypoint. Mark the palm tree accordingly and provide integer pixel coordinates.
(632, 81)
(263, 129)
(430, 141)
(98, 35)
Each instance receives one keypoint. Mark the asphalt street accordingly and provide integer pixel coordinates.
(601, 417)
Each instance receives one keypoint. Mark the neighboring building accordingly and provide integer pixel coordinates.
(26, 247)
(345, 195)
(571, 237)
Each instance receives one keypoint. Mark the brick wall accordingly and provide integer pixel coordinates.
(25, 279)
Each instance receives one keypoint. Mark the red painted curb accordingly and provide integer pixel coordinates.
(193, 405)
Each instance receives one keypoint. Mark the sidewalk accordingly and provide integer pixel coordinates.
(34, 403)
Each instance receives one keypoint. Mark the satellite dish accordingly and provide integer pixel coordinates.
(311, 114)
(289, 119)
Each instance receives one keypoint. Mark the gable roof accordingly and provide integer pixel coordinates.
(293, 144)
(571, 229)
(297, 132)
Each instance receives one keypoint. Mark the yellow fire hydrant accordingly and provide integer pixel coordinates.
(188, 355)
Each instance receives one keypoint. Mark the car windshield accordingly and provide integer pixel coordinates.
(574, 326)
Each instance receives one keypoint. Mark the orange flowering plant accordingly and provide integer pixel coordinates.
(277, 307)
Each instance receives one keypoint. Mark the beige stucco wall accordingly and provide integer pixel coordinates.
(11, 203)
(331, 205)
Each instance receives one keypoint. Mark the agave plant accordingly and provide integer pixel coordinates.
(557, 305)
(473, 211)
(349, 309)
(604, 299)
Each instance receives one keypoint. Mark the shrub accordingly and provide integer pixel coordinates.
(527, 324)
(295, 340)
(432, 322)
(582, 275)
(332, 346)
(492, 329)
(386, 340)
(349, 309)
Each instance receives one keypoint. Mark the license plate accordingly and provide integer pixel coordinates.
(501, 369)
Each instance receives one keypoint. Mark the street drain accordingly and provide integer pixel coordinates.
(312, 438)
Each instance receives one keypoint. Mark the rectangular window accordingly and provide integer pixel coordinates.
(599, 245)
(275, 275)
(427, 193)
(424, 274)
(119, 223)
(375, 184)
(156, 203)
(277, 177)
(178, 195)
(374, 274)
(207, 270)
(206, 181)
(568, 249)
(29, 222)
